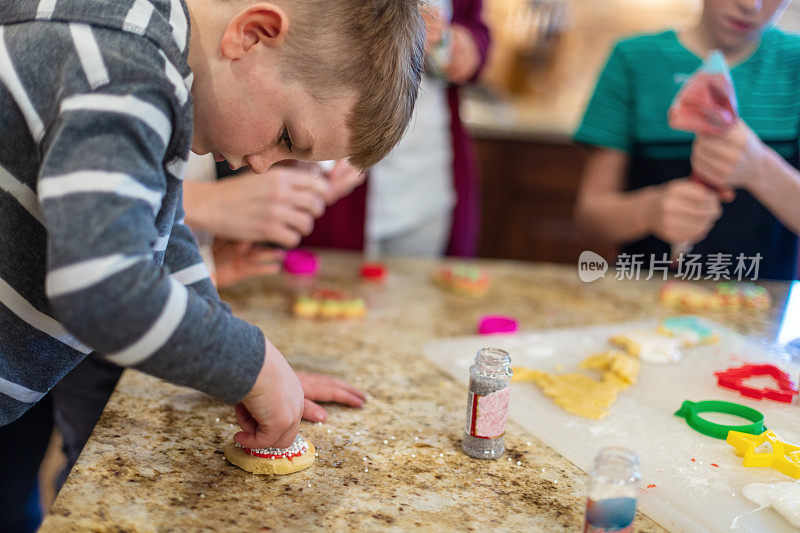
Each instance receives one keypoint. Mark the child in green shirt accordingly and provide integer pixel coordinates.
(635, 190)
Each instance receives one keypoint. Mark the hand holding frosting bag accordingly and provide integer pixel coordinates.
(705, 105)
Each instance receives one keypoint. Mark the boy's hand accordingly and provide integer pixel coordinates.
(321, 388)
(270, 413)
(731, 160)
(278, 206)
(343, 179)
(684, 211)
(237, 261)
(464, 56)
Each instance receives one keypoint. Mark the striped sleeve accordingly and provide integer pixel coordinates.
(607, 120)
(100, 189)
(183, 258)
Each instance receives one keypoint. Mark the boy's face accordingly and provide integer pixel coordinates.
(255, 123)
(246, 110)
(735, 23)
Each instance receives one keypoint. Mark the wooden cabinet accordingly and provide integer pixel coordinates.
(529, 191)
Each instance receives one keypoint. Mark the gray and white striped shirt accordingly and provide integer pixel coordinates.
(95, 130)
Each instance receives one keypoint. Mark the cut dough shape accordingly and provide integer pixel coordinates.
(278, 462)
(620, 364)
(688, 330)
(649, 346)
(784, 497)
(581, 394)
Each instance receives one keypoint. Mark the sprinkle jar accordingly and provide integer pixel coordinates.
(487, 404)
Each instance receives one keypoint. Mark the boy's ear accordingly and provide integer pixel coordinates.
(260, 23)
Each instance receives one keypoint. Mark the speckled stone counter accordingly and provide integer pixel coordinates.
(155, 463)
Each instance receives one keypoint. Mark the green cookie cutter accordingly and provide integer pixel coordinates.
(691, 412)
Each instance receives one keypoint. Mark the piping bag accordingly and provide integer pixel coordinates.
(705, 104)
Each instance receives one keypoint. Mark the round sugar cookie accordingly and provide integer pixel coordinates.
(274, 461)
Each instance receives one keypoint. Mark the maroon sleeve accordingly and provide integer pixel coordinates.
(342, 225)
(469, 13)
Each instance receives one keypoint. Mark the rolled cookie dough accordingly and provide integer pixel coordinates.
(282, 462)
(581, 394)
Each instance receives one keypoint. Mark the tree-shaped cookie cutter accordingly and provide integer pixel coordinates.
(733, 378)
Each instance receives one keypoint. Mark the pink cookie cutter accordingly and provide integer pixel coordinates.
(491, 324)
(301, 263)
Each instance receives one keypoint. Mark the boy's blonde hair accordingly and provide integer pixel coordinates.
(374, 47)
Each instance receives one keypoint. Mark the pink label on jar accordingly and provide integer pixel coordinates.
(487, 414)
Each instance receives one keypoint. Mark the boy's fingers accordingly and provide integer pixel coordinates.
(727, 195)
(330, 392)
(267, 439)
(309, 202)
(338, 168)
(694, 215)
(321, 388)
(258, 439)
(314, 412)
(701, 190)
(245, 419)
(343, 396)
(287, 437)
(298, 220)
(260, 254)
(313, 182)
(255, 270)
(349, 388)
(283, 236)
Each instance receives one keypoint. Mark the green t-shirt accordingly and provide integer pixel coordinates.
(628, 110)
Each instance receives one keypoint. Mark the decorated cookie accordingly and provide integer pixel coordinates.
(747, 295)
(725, 295)
(649, 346)
(684, 294)
(463, 279)
(688, 330)
(274, 461)
(329, 304)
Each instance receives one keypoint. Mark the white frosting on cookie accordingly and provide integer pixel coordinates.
(656, 348)
(784, 497)
(298, 447)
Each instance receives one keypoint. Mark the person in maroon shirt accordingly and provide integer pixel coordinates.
(342, 226)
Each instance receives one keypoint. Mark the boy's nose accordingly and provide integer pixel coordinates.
(259, 163)
(750, 5)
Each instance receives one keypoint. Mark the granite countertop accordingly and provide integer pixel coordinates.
(155, 463)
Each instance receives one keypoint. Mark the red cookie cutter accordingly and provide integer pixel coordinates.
(733, 378)
(373, 271)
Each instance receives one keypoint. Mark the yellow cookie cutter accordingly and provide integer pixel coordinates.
(784, 457)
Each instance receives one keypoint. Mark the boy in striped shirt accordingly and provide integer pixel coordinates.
(100, 104)
(635, 190)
